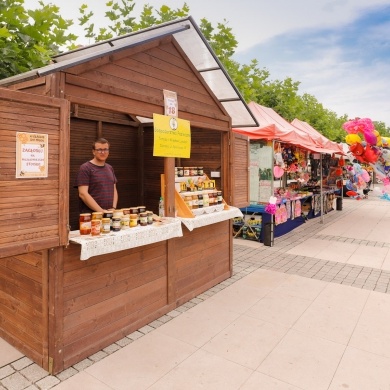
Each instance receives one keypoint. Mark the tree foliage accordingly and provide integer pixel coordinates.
(28, 38)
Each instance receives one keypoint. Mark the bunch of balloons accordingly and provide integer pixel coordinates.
(362, 139)
(367, 146)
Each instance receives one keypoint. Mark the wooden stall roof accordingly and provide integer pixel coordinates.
(192, 42)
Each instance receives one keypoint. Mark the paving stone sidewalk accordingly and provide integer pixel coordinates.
(25, 374)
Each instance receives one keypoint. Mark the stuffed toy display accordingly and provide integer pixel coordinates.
(367, 146)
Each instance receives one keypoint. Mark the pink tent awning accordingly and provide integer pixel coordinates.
(272, 126)
(320, 139)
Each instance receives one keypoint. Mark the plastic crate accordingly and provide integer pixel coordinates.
(237, 231)
(254, 221)
(251, 232)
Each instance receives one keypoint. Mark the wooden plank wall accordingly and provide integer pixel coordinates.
(23, 304)
(202, 260)
(29, 208)
(108, 297)
(240, 171)
(206, 151)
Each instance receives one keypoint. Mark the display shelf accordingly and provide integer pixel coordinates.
(183, 179)
(198, 192)
(182, 209)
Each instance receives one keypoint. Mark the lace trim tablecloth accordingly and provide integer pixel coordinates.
(126, 239)
(209, 219)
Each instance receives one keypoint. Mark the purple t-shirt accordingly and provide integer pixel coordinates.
(100, 181)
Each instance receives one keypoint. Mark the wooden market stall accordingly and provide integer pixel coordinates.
(56, 308)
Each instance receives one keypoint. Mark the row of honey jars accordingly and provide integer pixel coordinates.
(113, 220)
(205, 199)
(188, 171)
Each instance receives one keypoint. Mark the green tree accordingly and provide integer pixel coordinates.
(28, 38)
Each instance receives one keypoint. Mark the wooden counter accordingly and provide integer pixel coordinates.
(63, 309)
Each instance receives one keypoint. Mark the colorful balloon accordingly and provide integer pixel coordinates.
(370, 137)
(351, 139)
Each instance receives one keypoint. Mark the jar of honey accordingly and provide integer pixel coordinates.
(195, 201)
(200, 201)
(211, 199)
(180, 171)
(206, 200)
(149, 215)
(109, 215)
(219, 197)
(134, 210)
(133, 220)
(117, 213)
(106, 225)
(97, 215)
(96, 225)
(143, 219)
(188, 201)
(116, 224)
(85, 224)
(125, 222)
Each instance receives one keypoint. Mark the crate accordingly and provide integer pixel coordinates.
(237, 231)
(238, 220)
(254, 221)
(251, 232)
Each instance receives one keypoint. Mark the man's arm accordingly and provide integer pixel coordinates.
(115, 201)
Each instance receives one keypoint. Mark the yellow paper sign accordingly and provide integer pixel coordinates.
(172, 137)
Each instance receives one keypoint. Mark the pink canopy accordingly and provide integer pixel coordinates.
(274, 127)
(320, 139)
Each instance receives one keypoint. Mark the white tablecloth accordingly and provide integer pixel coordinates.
(126, 239)
(209, 219)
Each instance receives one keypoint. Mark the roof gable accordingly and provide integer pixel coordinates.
(192, 42)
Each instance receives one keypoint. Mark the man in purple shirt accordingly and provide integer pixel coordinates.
(96, 181)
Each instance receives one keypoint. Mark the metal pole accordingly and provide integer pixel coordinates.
(321, 195)
(272, 164)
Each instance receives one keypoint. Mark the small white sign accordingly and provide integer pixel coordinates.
(170, 103)
(31, 155)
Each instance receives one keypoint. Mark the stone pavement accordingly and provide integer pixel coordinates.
(286, 281)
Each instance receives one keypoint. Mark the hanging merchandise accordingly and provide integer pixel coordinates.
(278, 172)
(298, 210)
(278, 216)
(279, 163)
(283, 213)
(288, 208)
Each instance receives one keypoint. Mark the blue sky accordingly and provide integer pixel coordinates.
(346, 67)
(337, 49)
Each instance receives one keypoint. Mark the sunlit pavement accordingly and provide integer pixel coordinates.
(310, 312)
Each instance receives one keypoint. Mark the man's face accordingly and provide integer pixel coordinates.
(101, 152)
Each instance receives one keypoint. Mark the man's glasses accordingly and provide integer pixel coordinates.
(102, 150)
